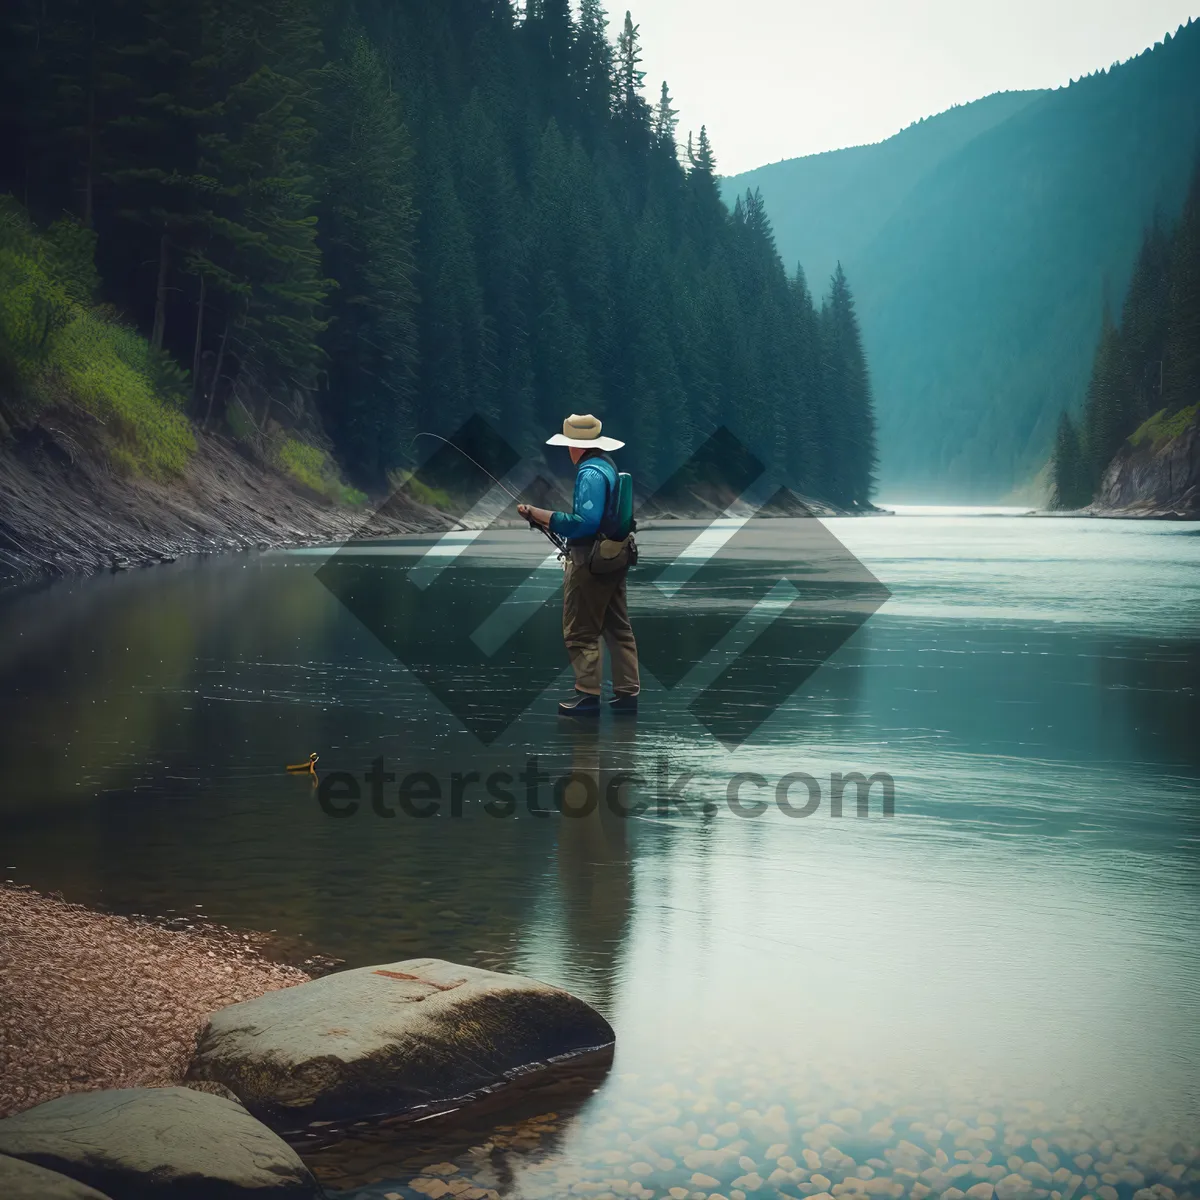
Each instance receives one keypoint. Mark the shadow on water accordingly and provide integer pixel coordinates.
(484, 1144)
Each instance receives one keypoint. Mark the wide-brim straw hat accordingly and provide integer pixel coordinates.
(583, 431)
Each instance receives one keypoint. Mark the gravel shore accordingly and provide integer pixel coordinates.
(90, 1000)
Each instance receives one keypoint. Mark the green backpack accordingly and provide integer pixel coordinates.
(623, 522)
(615, 549)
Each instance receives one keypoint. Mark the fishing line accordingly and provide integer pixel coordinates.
(553, 538)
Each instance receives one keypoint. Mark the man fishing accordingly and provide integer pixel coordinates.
(599, 550)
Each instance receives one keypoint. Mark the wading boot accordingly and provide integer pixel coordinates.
(624, 706)
(581, 704)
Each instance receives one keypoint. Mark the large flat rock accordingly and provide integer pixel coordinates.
(151, 1143)
(390, 1040)
(21, 1180)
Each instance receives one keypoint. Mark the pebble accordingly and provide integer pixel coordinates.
(1012, 1154)
(127, 1001)
(433, 1188)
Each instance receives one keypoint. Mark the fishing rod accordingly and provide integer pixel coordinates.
(553, 538)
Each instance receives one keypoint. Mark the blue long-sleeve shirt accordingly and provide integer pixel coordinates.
(592, 483)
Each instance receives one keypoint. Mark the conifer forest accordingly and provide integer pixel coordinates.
(353, 222)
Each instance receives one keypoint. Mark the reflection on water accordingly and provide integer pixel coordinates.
(1006, 972)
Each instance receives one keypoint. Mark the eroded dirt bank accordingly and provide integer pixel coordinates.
(64, 512)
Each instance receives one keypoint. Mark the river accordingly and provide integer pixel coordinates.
(1007, 966)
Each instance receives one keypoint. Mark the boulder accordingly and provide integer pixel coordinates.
(20, 1180)
(394, 1040)
(152, 1143)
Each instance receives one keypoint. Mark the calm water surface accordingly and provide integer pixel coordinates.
(1004, 977)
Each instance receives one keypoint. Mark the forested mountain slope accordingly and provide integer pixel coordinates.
(357, 222)
(981, 294)
(828, 207)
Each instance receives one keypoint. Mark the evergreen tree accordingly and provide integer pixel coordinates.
(550, 31)
(847, 398)
(632, 111)
(368, 228)
(498, 218)
(261, 257)
(1144, 326)
(1181, 367)
(1071, 475)
(666, 120)
(1107, 401)
(457, 349)
(707, 216)
(594, 68)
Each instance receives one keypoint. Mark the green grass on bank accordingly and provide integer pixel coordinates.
(1162, 427)
(59, 348)
(314, 468)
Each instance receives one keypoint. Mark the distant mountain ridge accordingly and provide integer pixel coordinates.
(838, 201)
(980, 243)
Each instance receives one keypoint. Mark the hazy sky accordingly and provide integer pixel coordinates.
(775, 79)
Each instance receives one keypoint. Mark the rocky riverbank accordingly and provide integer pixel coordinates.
(101, 1017)
(91, 1000)
(1156, 473)
(63, 511)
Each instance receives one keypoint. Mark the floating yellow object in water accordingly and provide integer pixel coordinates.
(309, 768)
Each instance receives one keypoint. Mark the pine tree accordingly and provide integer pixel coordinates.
(805, 453)
(1070, 474)
(77, 87)
(1181, 367)
(457, 376)
(550, 33)
(594, 68)
(255, 183)
(632, 111)
(1144, 326)
(666, 120)
(155, 149)
(368, 229)
(498, 218)
(847, 397)
(1107, 403)
(706, 213)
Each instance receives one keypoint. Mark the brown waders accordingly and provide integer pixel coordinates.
(594, 607)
